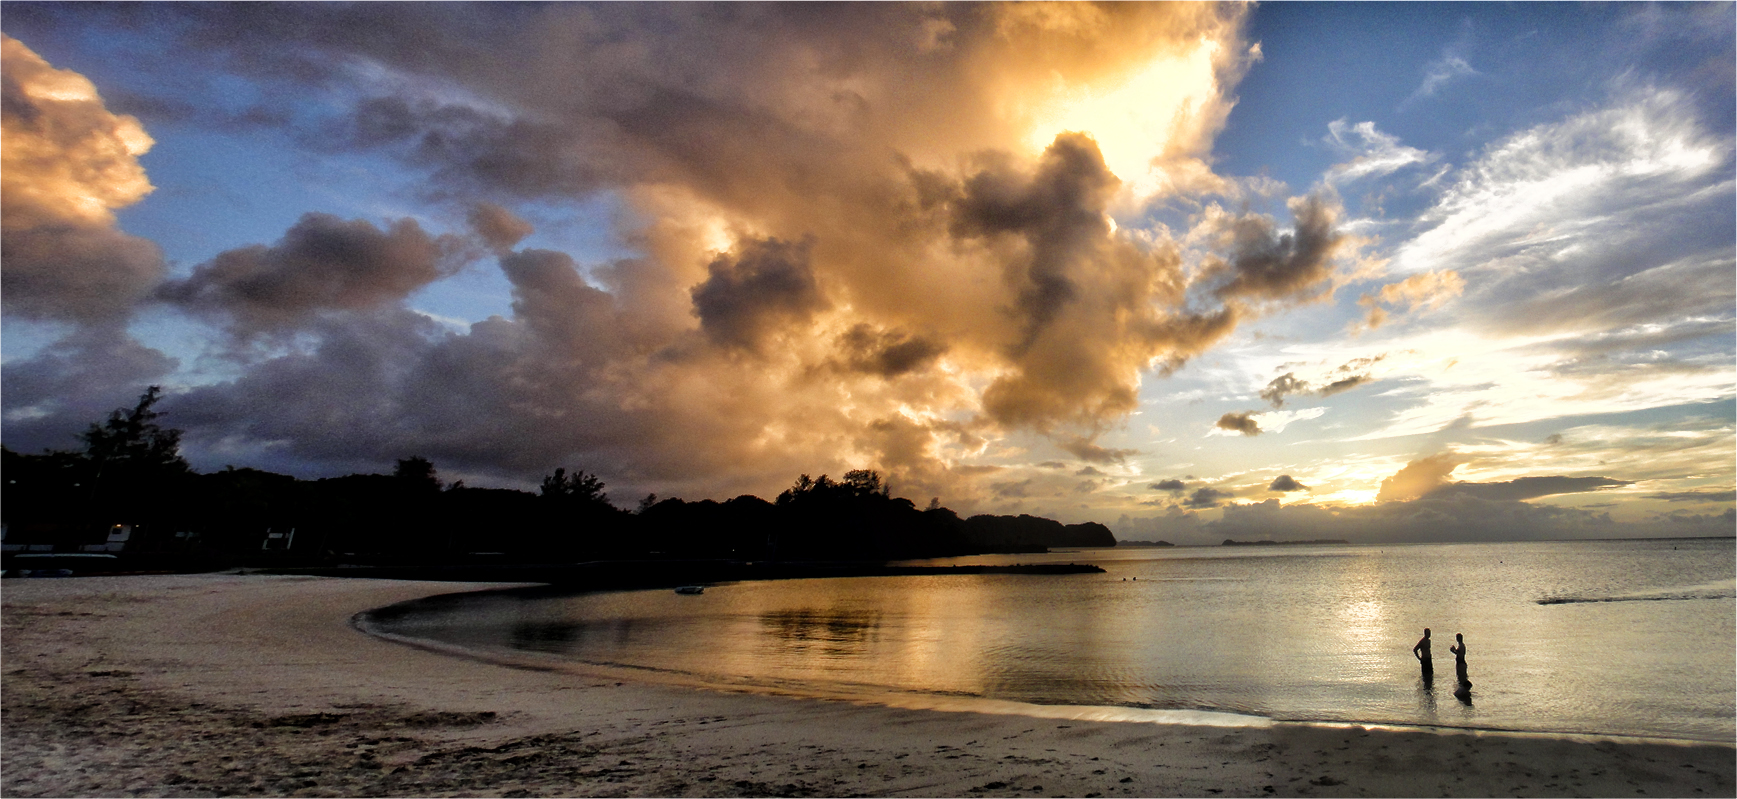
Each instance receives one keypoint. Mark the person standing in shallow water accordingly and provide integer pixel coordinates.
(1459, 650)
(1421, 652)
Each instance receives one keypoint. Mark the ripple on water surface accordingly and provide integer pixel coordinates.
(1605, 637)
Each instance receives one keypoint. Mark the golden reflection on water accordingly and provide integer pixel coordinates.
(1361, 621)
(939, 649)
(1308, 634)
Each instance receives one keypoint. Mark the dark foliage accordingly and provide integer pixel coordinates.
(130, 472)
(1025, 533)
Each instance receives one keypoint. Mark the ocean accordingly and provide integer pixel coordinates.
(1626, 638)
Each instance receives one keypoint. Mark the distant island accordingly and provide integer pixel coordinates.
(1234, 543)
(1144, 544)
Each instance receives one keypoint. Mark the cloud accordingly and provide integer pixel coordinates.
(1706, 495)
(1426, 291)
(66, 165)
(498, 227)
(1439, 73)
(1206, 497)
(1529, 487)
(322, 263)
(1372, 153)
(1601, 220)
(859, 236)
(1267, 265)
(74, 381)
(1253, 423)
(1448, 515)
(1428, 478)
(1169, 485)
(1243, 423)
(751, 292)
(1283, 386)
(1012, 489)
(1343, 384)
(888, 353)
(1089, 307)
(1284, 482)
(1092, 453)
(1286, 385)
(570, 321)
(1419, 477)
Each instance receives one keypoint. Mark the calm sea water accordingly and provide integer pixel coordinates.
(1602, 637)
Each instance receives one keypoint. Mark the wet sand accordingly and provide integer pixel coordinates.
(205, 685)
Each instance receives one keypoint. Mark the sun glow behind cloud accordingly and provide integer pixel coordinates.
(879, 236)
(1135, 118)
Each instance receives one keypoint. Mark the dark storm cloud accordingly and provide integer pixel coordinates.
(1019, 489)
(499, 400)
(1530, 487)
(1091, 308)
(1285, 482)
(887, 353)
(498, 227)
(339, 402)
(1207, 497)
(1288, 384)
(1058, 211)
(569, 318)
(763, 285)
(1267, 265)
(1239, 423)
(1086, 450)
(1343, 384)
(73, 382)
(1283, 386)
(322, 263)
(74, 272)
(860, 156)
(472, 150)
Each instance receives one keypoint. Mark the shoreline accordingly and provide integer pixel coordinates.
(946, 703)
(227, 684)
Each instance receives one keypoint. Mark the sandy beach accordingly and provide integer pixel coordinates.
(229, 684)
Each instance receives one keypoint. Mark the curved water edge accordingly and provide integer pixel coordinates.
(952, 703)
(1316, 637)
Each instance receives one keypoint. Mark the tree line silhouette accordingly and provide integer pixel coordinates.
(130, 472)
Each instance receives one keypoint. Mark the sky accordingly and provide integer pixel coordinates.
(1379, 272)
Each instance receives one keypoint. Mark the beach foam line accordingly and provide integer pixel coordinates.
(1507, 732)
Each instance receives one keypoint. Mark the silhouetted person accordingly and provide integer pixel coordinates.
(1421, 652)
(1459, 651)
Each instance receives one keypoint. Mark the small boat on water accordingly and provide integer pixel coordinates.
(690, 589)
